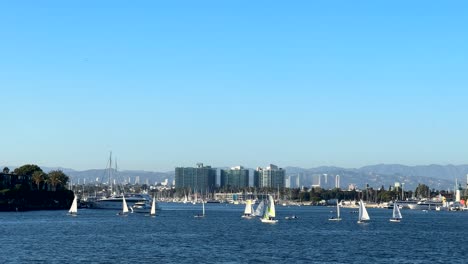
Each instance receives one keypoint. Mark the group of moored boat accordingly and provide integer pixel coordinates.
(138, 205)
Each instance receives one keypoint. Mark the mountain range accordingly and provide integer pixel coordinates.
(439, 177)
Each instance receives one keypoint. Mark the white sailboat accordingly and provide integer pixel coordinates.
(260, 208)
(337, 218)
(203, 211)
(153, 207)
(270, 212)
(124, 206)
(248, 211)
(363, 215)
(396, 217)
(74, 207)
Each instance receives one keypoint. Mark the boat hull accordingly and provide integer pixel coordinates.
(115, 203)
(269, 221)
(334, 219)
(395, 220)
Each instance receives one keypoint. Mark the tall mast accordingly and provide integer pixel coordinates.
(110, 172)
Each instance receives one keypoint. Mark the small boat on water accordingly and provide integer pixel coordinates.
(203, 211)
(153, 207)
(248, 211)
(124, 207)
(363, 215)
(145, 206)
(270, 212)
(396, 215)
(292, 217)
(337, 218)
(260, 209)
(74, 207)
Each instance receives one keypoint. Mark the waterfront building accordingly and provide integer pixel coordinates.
(236, 177)
(200, 179)
(270, 177)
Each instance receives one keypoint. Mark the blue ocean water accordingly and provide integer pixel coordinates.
(175, 236)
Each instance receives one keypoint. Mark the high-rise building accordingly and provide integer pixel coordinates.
(337, 181)
(292, 181)
(235, 177)
(199, 179)
(271, 177)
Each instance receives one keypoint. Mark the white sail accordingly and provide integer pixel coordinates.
(396, 211)
(74, 206)
(248, 208)
(203, 203)
(271, 207)
(338, 210)
(153, 207)
(259, 210)
(270, 212)
(363, 215)
(124, 204)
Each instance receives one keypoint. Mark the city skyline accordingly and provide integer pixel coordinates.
(163, 85)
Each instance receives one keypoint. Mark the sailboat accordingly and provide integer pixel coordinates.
(153, 207)
(259, 210)
(203, 212)
(337, 218)
(248, 211)
(124, 206)
(396, 217)
(363, 215)
(74, 207)
(270, 213)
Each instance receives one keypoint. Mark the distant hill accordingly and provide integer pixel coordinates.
(441, 177)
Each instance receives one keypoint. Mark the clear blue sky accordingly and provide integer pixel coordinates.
(294, 83)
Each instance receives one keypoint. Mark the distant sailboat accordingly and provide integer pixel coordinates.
(259, 210)
(270, 212)
(337, 218)
(248, 211)
(153, 207)
(363, 215)
(396, 217)
(124, 206)
(203, 211)
(74, 207)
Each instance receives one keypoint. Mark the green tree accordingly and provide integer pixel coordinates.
(6, 170)
(27, 170)
(38, 177)
(57, 179)
(422, 191)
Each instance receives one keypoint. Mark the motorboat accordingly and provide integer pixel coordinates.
(115, 202)
(425, 205)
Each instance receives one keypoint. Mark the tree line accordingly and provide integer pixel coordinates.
(28, 188)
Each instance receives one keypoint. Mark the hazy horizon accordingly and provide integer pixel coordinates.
(165, 84)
